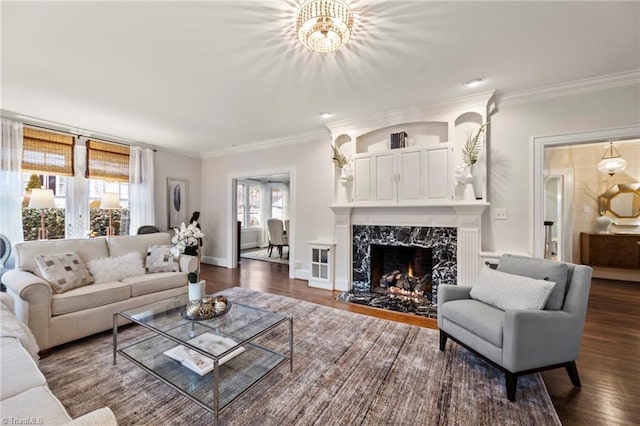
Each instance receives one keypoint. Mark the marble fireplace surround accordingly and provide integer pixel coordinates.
(464, 217)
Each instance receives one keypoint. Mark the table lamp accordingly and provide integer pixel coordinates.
(42, 199)
(110, 202)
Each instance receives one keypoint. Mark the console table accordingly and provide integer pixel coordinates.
(610, 250)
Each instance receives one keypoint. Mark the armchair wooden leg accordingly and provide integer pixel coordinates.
(512, 383)
(572, 370)
(443, 340)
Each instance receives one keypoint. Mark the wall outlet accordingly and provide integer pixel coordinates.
(297, 265)
(587, 209)
(500, 214)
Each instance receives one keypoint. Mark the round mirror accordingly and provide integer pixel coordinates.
(621, 201)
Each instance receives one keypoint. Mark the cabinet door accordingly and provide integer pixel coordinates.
(437, 176)
(362, 170)
(384, 175)
(410, 173)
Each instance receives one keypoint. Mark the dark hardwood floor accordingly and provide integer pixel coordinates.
(609, 360)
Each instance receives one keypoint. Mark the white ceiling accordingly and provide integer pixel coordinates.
(203, 76)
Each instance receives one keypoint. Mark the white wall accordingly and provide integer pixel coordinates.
(511, 154)
(168, 164)
(310, 197)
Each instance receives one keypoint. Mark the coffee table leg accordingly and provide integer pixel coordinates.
(115, 337)
(291, 345)
(216, 391)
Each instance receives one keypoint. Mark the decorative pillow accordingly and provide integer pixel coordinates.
(160, 259)
(108, 269)
(540, 269)
(63, 271)
(509, 291)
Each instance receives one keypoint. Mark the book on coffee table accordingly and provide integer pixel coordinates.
(212, 343)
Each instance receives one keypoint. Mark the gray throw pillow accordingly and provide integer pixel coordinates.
(540, 269)
(63, 271)
(160, 259)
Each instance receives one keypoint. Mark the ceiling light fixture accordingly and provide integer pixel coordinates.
(324, 25)
(474, 82)
(326, 115)
(611, 163)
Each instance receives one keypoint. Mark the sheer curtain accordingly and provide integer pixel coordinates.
(11, 181)
(141, 205)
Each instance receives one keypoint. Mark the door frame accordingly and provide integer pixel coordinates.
(232, 239)
(539, 143)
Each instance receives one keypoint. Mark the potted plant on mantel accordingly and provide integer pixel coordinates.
(342, 162)
(470, 154)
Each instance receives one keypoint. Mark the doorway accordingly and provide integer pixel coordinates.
(255, 197)
(569, 202)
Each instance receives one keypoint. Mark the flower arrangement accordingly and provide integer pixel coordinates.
(185, 236)
(338, 158)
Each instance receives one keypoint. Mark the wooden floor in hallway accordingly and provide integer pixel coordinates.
(609, 360)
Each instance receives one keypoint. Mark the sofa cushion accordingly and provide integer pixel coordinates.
(35, 403)
(115, 268)
(64, 271)
(539, 269)
(121, 245)
(87, 249)
(89, 296)
(160, 259)
(510, 291)
(466, 312)
(18, 371)
(152, 283)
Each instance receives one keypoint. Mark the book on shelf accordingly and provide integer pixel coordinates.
(212, 343)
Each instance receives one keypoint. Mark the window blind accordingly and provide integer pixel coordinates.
(47, 152)
(107, 161)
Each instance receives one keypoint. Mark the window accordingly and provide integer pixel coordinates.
(277, 203)
(249, 204)
(47, 163)
(99, 218)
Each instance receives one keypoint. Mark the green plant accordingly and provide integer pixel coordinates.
(338, 158)
(471, 149)
(193, 277)
(53, 219)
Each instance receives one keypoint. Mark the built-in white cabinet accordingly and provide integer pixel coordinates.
(423, 171)
(321, 269)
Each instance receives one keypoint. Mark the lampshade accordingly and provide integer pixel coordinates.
(41, 199)
(110, 201)
(611, 162)
(324, 25)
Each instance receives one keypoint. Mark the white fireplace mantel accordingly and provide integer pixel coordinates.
(466, 217)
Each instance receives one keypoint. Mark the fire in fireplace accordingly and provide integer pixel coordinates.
(401, 270)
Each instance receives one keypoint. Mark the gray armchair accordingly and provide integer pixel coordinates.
(521, 342)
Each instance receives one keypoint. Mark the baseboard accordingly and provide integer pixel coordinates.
(301, 274)
(216, 261)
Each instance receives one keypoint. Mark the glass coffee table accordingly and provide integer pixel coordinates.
(211, 362)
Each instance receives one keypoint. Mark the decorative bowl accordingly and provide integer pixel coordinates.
(205, 309)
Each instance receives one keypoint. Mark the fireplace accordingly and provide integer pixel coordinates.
(430, 252)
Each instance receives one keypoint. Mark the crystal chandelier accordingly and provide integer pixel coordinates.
(611, 163)
(324, 25)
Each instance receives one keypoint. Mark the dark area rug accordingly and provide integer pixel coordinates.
(349, 369)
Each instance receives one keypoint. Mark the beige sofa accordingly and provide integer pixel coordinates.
(25, 397)
(59, 318)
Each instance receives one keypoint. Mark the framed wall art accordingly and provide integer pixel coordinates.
(177, 201)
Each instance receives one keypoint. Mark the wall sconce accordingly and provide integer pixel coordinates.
(42, 199)
(611, 161)
(110, 202)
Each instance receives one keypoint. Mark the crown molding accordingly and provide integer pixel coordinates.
(267, 144)
(411, 113)
(577, 87)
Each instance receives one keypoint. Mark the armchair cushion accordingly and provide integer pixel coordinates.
(539, 269)
(481, 319)
(510, 291)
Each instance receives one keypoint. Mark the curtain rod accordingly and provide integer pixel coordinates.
(81, 135)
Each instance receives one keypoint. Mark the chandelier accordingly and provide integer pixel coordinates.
(324, 25)
(611, 163)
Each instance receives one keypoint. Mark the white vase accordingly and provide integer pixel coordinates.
(344, 189)
(469, 193)
(603, 223)
(196, 290)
